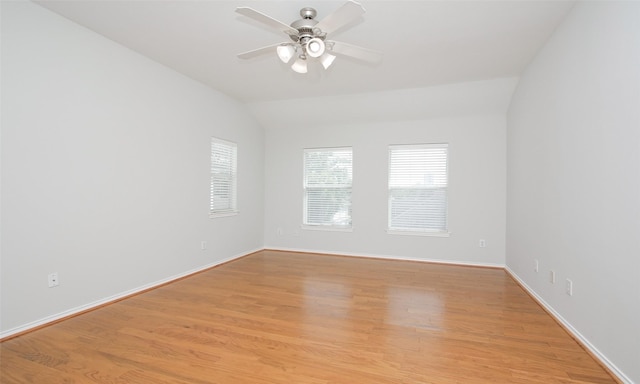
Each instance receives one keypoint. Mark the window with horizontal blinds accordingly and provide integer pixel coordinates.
(223, 197)
(418, 188)
(327, 187)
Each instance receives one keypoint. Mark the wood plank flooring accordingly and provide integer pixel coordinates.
(280, 317)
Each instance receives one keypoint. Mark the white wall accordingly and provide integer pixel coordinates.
(105, 160)
(574, 178)
(105, 169)
(477, 169)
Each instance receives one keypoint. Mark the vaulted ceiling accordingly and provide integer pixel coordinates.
(425, 43)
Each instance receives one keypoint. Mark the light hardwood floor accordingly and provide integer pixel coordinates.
(276, 317)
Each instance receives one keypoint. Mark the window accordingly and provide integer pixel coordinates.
(327, 188)
(418, 189)
(223, 178)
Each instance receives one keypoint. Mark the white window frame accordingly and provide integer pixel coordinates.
(309, 188)
(224, 159)
(425, 184)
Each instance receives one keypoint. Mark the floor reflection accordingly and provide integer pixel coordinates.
(413, 307)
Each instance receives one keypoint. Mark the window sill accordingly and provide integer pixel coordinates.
(418, 233)
(327, 228)
(222, 214)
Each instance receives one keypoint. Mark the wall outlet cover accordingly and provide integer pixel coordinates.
(53, 280)
(569, 287)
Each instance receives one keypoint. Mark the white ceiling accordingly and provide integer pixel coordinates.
(425, 43)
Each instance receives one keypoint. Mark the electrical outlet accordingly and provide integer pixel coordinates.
(552, 277)
(569, 287)
(536, 265)
(53, 280)
(482, 243)
(203, 245)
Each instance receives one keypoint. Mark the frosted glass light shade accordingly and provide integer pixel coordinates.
(327, 60)
(300, 66)
(315, 47)
(285, 52)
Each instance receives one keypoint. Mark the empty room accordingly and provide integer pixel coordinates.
(270, 192)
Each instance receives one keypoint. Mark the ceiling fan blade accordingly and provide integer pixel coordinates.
(259, 52)
(354, 51)
(267, 20)
(342, 16)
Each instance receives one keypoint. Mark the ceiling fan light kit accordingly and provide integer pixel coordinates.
(309, 37)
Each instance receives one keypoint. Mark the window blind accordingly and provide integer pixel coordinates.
(418, 188)
(223, 178)
(327, 187)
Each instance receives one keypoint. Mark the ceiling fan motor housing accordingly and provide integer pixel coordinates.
(305, 27)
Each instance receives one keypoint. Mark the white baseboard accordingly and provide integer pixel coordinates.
(89, 306)
(574, 332)
(388, 257)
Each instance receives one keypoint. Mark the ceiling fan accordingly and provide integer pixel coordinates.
(309, 37)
